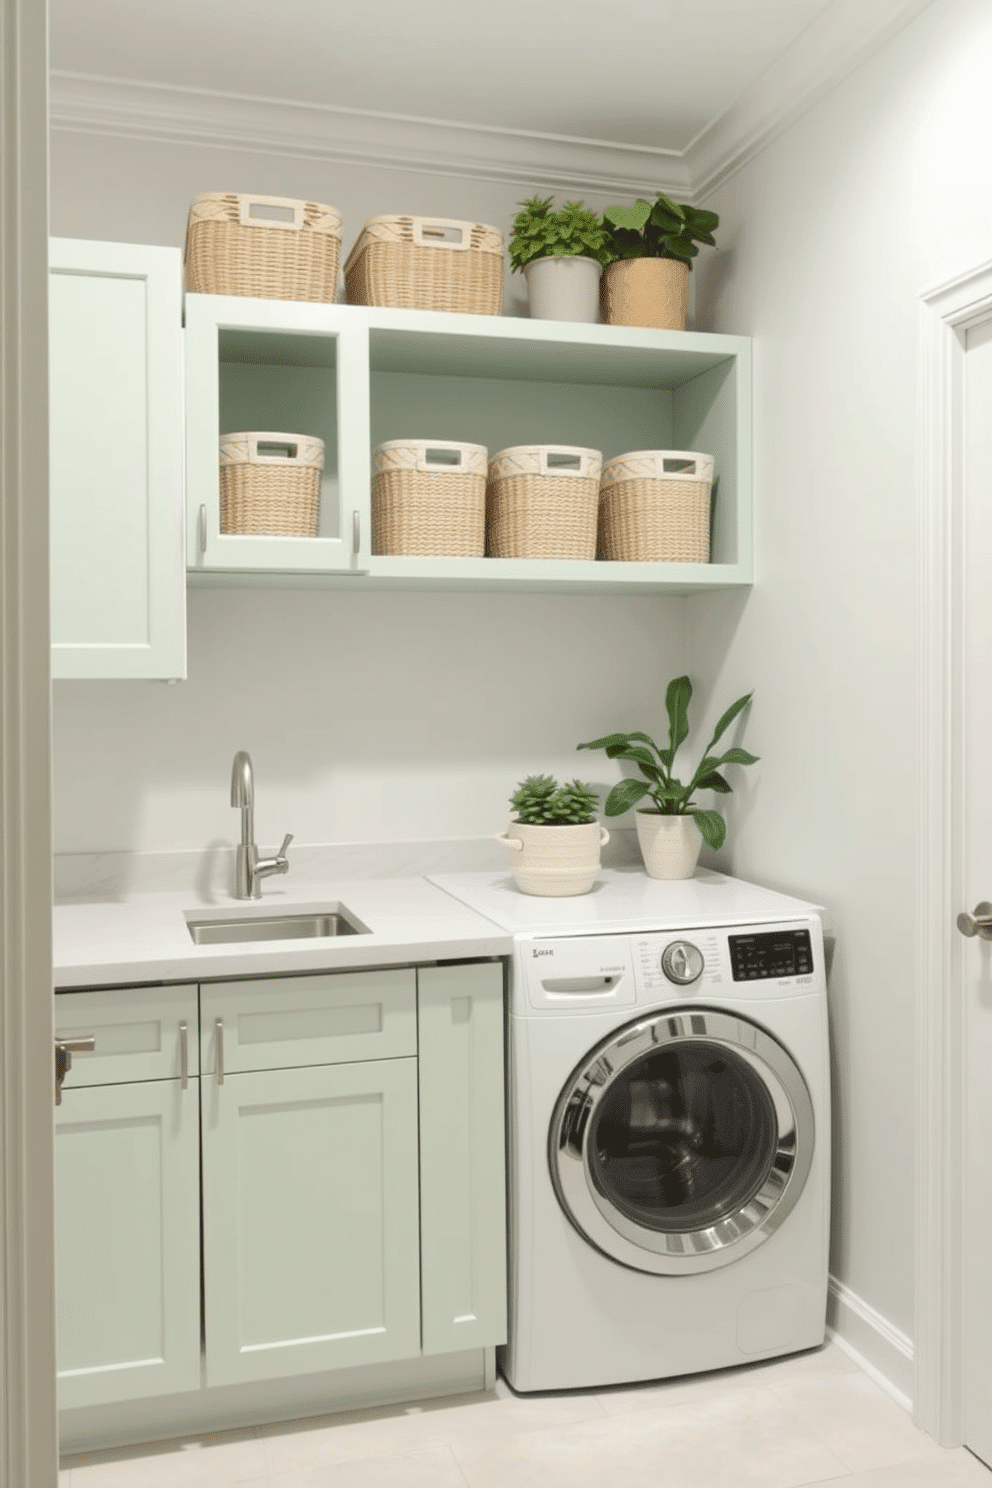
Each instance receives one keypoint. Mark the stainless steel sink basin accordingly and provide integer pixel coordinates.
(298, 926)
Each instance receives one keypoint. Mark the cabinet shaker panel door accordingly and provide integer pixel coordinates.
(116, 461)
(127, 1193)
(462, 1156)
(310, 1249)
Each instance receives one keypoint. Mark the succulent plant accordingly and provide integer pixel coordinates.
(541, 801)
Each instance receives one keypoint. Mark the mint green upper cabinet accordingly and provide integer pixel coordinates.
(275, 366)
(118, 600)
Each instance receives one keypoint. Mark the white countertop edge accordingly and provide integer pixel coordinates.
(145, 939)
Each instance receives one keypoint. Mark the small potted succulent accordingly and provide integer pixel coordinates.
(672, 829)
(555, 836)
(560, 254)
(648, 255)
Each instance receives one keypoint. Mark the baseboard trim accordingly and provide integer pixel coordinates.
(875, 1344)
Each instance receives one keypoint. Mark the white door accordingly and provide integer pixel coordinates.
(977, 952)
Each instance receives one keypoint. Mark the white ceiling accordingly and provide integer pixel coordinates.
(640, 72)
(611, 92)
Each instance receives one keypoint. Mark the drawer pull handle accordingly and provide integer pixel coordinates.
(64, 1050)
(183, 1056)
(219, 1029)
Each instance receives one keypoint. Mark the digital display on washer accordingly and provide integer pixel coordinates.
(775, 953)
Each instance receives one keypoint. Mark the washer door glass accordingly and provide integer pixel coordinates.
(682, 1141)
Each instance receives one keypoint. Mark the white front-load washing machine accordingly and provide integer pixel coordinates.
(668, 1127)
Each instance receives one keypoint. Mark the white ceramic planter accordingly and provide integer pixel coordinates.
(563, 288)
(556, 861)
(669, 844)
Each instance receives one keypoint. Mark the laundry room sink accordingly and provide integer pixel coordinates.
(303, 925)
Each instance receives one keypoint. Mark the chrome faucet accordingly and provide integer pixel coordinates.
(249, 868)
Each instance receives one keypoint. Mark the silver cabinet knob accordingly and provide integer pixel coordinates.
(681, 962)
(979, 922)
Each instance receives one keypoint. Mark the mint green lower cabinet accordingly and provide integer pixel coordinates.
(462, 1164)
(127, 1241)
(310, 1219)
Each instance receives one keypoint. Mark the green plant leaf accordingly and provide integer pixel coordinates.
(677, 697)
(727, 718)
(641, 758)
(737, 757)
(712, 827)
(625, 795)
(608, 741)
(714, 781)
(633, 218)
(700, 221)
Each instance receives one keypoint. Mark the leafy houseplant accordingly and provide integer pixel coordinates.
(670, 798)
(560, 253)
(555, 836)
(649, 253)
(664, 230)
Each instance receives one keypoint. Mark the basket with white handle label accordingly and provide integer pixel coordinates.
(541, 502)
(270, 247)
(427, 263)
(270, 484)
(429, 498)
(655, 507)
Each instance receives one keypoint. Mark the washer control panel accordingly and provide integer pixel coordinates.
(682, 962)
(775, 953)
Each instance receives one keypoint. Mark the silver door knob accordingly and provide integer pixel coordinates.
(979, 922)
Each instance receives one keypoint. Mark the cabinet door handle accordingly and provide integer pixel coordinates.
(219, 1031)
(183, 1056)
(356, 532)
(201, 528)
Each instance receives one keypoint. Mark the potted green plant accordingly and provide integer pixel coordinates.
(560, 255)
(672, 829)
(648, 255)
(555, 836)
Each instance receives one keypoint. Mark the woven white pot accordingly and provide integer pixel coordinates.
(563, 288)
(669, 844)
(556, 861)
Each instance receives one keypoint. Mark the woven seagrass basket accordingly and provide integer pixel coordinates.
(270, 484)
(655, 507)
(541, 502)
(429, 498)
(427, 263)
(271, 247)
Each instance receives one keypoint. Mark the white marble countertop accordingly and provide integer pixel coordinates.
(144, 937)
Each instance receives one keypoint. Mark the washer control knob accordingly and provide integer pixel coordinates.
(682, 962)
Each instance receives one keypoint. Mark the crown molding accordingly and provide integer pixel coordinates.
(842, 36)
(152, 111)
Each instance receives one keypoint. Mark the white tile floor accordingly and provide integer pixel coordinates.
(815, 1418)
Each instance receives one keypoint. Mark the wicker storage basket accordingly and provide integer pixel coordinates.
(270, 484)
(268, 246)
(429, 498)
(427, 263)
(541, 502)
(655, 507)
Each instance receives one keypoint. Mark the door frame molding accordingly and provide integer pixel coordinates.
(28, 1423)
(946, 314)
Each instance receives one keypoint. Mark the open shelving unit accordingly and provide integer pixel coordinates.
(357, 376)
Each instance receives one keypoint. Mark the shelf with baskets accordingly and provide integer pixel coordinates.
(358, 377)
